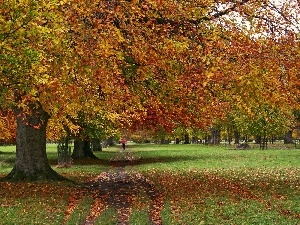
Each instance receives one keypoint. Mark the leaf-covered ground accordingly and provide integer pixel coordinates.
(248, 195)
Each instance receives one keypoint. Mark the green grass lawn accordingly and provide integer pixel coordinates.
(199, 184)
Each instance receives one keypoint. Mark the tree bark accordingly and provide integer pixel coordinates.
(82, 150)
(186, 139)
(110, 141)
(96, 145)
(258, 139)
(215, 137)
(31, 158)
(236, 137)
(288, 138)
(164, 141)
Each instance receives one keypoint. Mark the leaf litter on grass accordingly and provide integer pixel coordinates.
(119, 189)
(213, 191)
(214, 196)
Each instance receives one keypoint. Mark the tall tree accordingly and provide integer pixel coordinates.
(31, 33)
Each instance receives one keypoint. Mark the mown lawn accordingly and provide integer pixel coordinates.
(199, 184)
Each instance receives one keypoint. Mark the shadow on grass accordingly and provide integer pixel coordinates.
(106, 156)
(7, 157)
(108, 162)
(7, 153)
(160, 159)
(131, 162)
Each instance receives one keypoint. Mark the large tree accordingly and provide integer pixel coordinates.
(31, 61)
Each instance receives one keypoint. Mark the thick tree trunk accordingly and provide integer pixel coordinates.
(215, 137)
(288, 138)
(31, 157)
(82, 150)
(110, 141)
(96, 145)
(78, 152)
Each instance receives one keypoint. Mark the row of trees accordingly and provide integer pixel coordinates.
(90, 69)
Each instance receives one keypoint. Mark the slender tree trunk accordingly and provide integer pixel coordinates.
(64, 158)
(229, 136)
(207, 137)
(257, 139)
(164, 142)
(236, 137)
(31, 157)
(194, 140)
(186, 139)
(264, 142)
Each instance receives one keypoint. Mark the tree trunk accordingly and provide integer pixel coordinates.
(164, 141)
(288, 138)
(82, 150)
(31, 158)
(236, 137)
(78, 149)
(96, 145)
(194, 140)
(264, 142)
(64, 158)
(257, 139)
(186, 139)
(215, 137)
(110, 141)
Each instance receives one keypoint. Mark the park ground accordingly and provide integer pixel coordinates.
(196, 184)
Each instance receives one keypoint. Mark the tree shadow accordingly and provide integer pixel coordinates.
(150, 160)
(7, 157)
(7, 153)
(124, 161)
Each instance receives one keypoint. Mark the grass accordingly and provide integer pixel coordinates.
(200, 185)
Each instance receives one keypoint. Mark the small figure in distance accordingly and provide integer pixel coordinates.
(123, 143)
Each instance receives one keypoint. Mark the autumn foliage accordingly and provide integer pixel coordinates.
(109, 66)
(149, 64)
(7, 127)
